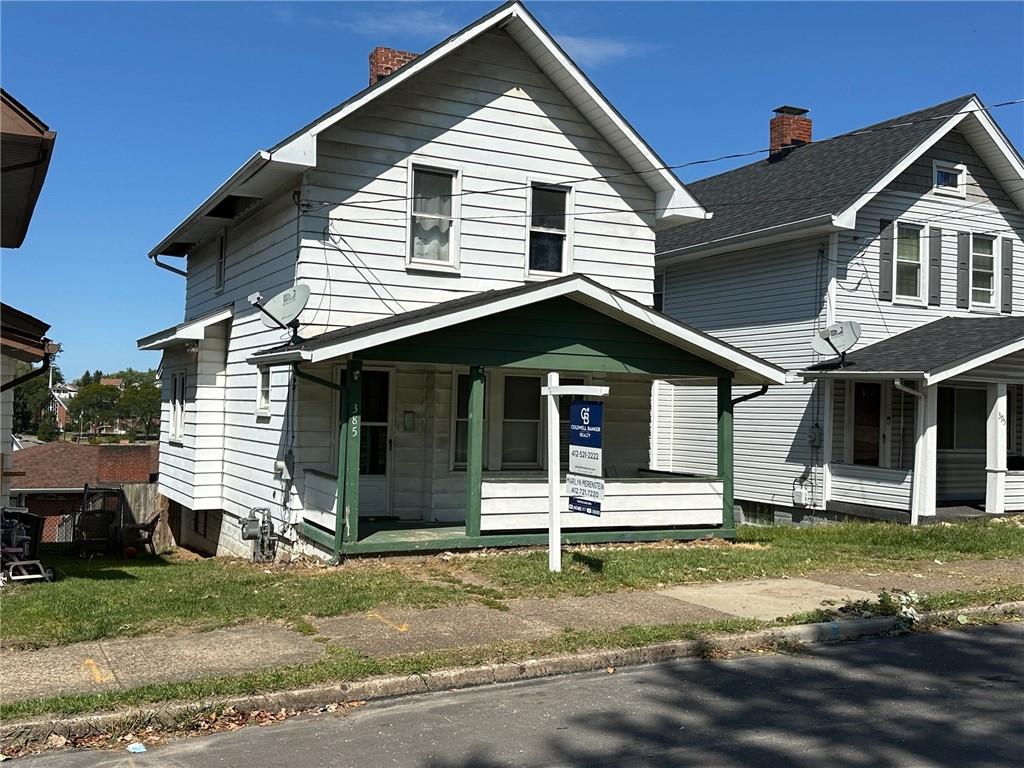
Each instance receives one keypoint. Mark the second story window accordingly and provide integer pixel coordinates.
(263, 391)
(659, 292)
(432, 224)
(908, 262)
(547, 248)
(983, 271)
(222, 257)
(176, 422)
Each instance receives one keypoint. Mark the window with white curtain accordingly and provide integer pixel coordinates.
(432, 223)
(176, 425)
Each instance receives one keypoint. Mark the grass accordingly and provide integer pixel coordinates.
(762, 553)
(106, 598)
(344, 665)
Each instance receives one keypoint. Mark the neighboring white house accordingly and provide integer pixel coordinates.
(912, 228)
(478, 217)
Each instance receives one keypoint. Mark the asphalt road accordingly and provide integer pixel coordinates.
(946, 699)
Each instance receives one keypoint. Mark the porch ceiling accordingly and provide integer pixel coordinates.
(940, 350)
(571, 323)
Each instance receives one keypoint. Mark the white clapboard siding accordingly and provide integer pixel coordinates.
(871, 486)
(489, 112)
(767, 301)
(519, 504)
(1015, 491)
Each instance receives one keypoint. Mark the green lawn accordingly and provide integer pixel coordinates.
(760, 553)
(107, 598)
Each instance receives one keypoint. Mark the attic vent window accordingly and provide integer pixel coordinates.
(949, 179)
(231, 206)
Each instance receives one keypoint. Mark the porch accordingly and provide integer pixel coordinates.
(928, 423)
(441, 440)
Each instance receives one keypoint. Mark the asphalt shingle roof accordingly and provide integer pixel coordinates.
(810, 181)
(933, 346)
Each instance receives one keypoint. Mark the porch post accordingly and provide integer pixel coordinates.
(995, 446)
(474, 449)
(339, 501)
(922, 493)
(353, 425)
(725, 450)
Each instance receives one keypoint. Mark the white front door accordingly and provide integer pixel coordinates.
(375, 444)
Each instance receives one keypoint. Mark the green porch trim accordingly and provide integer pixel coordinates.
(474, 450)
(353, 425)
(555, 335)
(725, 449)
(319, 536)
(371, 546)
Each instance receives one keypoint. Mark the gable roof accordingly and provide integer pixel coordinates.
(27, 145)
(747, 368)
(267, 170)
(934, 352)
(823, 184)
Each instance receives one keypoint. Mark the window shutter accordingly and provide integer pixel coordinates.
(963, 269)
(1007, 288)
(885, 255)
(935, 267)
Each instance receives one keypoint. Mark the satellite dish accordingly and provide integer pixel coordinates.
(284, 308)
(836, 339)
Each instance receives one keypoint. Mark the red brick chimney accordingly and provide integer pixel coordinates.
(788, 129)
(385, 61)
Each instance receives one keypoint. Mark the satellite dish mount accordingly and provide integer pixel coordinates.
(283, 310)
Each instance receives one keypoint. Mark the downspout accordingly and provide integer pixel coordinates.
(155, 258)
(339, 525)
(47, 359)
(920, 396)
(750, 395)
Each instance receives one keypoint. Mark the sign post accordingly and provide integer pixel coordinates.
(577, 492)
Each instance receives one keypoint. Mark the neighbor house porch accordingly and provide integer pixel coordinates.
(440, 442)
(927, 423)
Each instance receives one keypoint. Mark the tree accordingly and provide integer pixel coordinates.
(47, 430)
(85, 379)
(140, 404)
(94, 404)
(31, 398)
(97, 376)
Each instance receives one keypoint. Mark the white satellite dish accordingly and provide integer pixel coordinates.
(284, 308)
(836, 339)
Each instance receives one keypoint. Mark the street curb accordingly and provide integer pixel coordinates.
(172, 713)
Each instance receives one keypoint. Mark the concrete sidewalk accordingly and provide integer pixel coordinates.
(126, 663)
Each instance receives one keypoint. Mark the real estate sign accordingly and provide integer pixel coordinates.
(584, 484)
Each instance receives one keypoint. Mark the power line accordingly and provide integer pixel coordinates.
(385, 198)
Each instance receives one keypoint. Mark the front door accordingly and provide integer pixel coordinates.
(375, 444)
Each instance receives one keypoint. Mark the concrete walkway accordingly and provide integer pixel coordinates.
(125, 663)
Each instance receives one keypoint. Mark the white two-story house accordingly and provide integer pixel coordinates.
(477, 218)
(912, 229)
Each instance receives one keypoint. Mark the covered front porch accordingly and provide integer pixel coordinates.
(928, 424)
(441, 441)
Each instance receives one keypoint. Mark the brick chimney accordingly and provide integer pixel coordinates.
(385, 61)
(789, 129)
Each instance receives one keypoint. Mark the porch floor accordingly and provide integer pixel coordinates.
(945, 512)
(382, 535)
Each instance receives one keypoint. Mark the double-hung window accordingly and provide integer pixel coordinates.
(433, 227)
(962, 416)
(176, 425)
(461, 447)
(983, 271)
(263, 391)
(520, 427)
(908, 278)
(548, 248)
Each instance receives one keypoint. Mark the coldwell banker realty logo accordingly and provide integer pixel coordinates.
(584, 483)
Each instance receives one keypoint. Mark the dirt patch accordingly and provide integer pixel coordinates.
(929, 576)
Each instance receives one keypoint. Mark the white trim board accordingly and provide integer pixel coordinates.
(747, 368)
(193, 330)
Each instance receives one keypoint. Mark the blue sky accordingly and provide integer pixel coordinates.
(155, 104)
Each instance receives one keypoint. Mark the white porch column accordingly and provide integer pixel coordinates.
(922, 499)
(995, 446)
